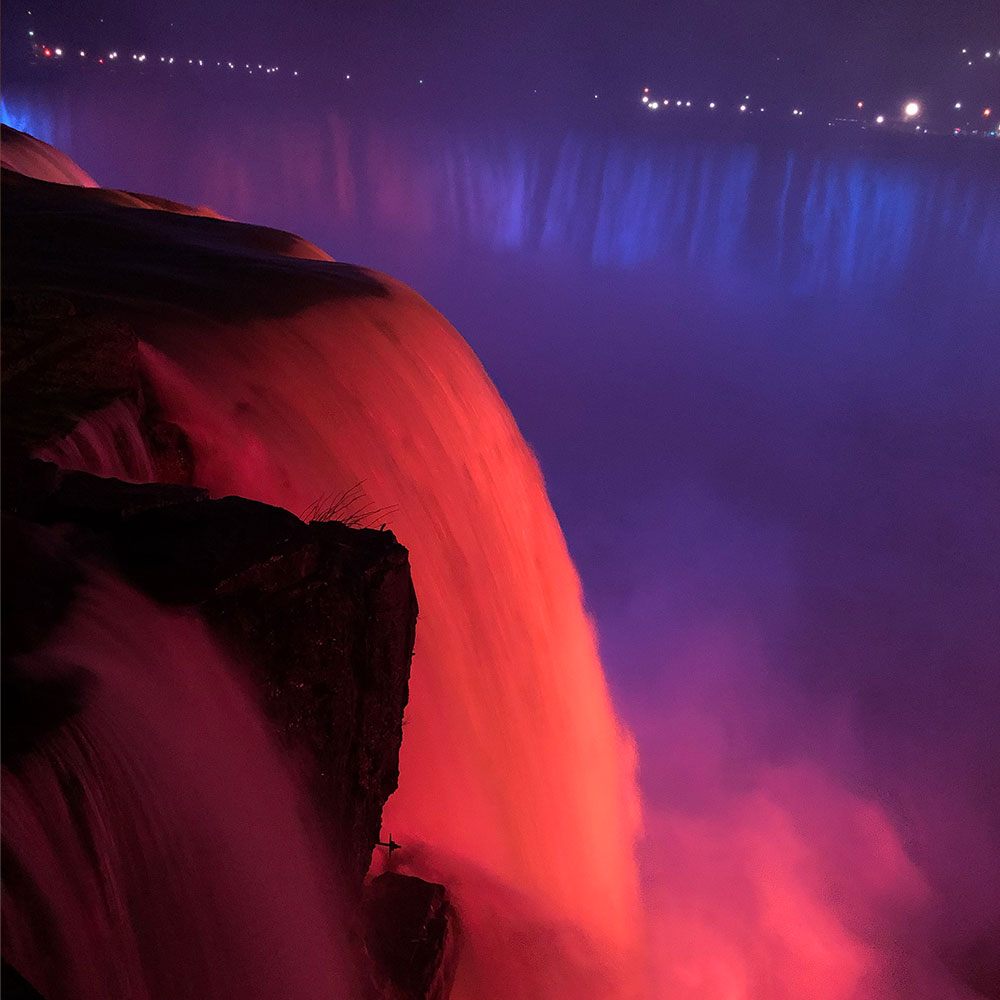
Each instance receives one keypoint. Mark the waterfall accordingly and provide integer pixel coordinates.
(514, 771)
(155, 845)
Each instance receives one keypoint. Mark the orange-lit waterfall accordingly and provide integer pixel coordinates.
(513, 766)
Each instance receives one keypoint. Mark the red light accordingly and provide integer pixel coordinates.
(48, 52)
(101, 61)
(861, 104)
(986, 113)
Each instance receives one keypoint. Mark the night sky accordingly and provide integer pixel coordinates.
(784, 49)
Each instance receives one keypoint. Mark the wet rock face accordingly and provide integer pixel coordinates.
(322, 616)
(410, 934)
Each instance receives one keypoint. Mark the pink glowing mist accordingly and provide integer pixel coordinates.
(769, 871)
(155, 846)
(513, 766)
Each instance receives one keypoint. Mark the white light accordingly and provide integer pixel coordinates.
(58, 52)
(958, 104)
(687, 104)
(880, 119)
(711, 104)
(678, 104)
(746, 97)
(170, 61)
(743, 107)
(654, 105)
(761, 109)
(912, 109)
(595, 95)
(645, 99)
(988, 54)
(296, 73)
(83, 55)
(347, 77)
(200, 63)
(31, 34)
(964, 51)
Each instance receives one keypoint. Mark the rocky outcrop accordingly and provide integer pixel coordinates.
(410, 933)
(321, 615)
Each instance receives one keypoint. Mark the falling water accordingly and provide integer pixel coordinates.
(107, 442)
(516, 784)
(154, 845)
(513, 764)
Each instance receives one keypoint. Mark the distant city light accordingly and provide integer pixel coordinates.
(83, 55)
(687, 104)
(861, 104)
(880, 119)
(912, 109)
(986, 112)
(743, 107)
(711, 104)
(678, 104)
(654, 105)
(958, 105)
(58, 52)
(645, 99)
(988, 54)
